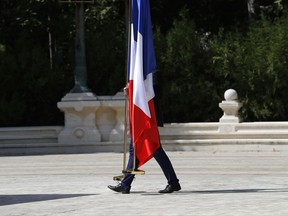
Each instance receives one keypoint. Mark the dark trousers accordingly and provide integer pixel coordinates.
(163, 161)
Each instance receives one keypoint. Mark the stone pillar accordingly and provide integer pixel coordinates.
(230, 108)
(117, 132)
(79, 110)
(90, 120)
(110, 117)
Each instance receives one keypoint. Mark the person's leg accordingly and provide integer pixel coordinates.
(168, 170)
(128, 178)
(125, 184)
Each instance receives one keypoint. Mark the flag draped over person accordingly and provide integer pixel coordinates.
(141, 66)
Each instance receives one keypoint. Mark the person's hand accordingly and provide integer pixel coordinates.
(126, 89)
(128, 133)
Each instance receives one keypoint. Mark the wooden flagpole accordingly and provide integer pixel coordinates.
(134, 170)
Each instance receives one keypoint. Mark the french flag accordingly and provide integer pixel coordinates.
(141, 66)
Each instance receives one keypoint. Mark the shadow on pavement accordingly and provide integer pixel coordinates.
(12, 199)
(226, 191)
(238, 191)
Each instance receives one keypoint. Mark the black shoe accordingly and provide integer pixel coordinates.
(120, 188)
(171, 188)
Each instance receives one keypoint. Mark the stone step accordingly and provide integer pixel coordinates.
(203, 131)
(271, 136)
(23, 135)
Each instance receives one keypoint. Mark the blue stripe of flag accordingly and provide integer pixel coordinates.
(141, 21)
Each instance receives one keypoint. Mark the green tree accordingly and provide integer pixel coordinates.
(106, 51)
(255, 64)
(37, 53)
(195, 62)
(188, 81)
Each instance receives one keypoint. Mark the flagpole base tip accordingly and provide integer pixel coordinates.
(118, 178)
(134, 172)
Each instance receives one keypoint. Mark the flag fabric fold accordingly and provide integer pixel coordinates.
(141, 66)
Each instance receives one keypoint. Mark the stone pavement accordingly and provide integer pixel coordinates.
(232, 184)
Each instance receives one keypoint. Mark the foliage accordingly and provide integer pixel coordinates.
(255, 64)
(29, 89)
(42, 81)
(187, 78)
(202, 50)
(106, 52)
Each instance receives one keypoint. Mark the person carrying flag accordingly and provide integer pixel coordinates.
(145, 140)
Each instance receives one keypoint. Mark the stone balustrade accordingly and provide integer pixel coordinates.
(90, 119)
(96, 124)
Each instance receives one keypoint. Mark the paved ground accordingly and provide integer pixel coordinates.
(232, 184)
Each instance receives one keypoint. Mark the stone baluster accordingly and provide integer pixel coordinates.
(90, 120)
(230, 108)
(79, 110)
